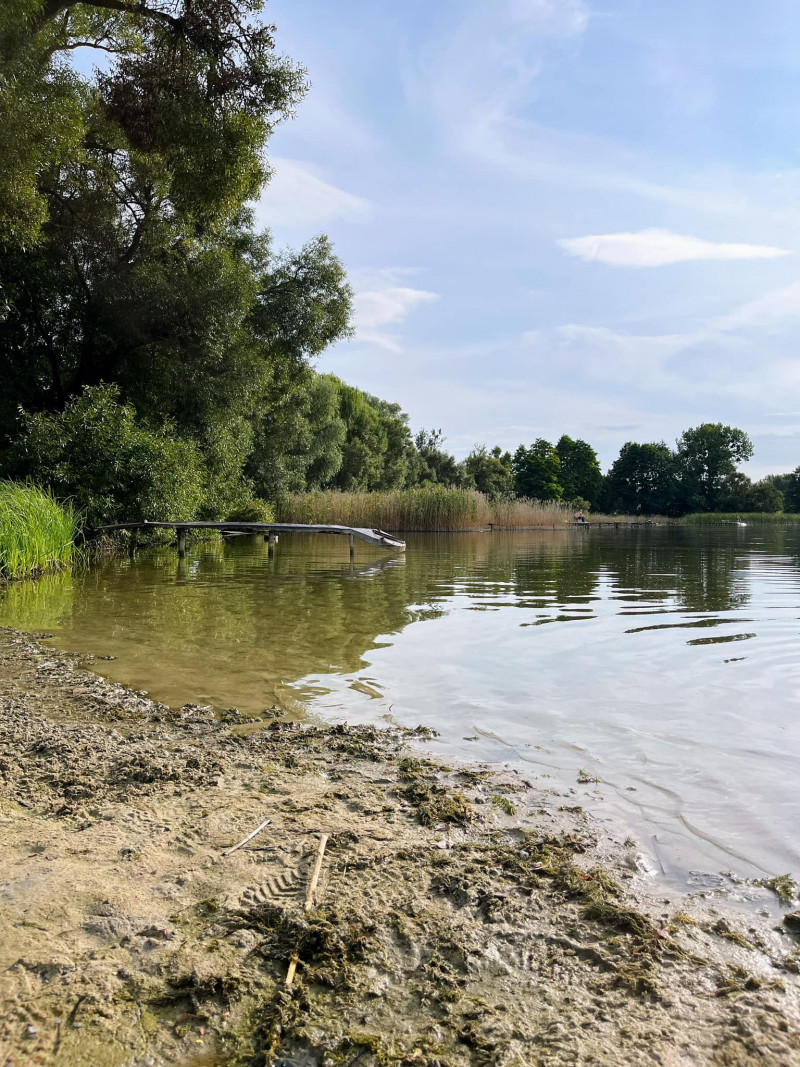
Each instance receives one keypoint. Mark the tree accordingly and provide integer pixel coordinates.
(741, 494)
(580, 475)
(181, 116)
(432, 465)
(489, 472)
(764, 496)
(536, 471)
(791, 492)
(707, 457)
(643, 480)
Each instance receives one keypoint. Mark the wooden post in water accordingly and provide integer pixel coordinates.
(352, 546)
(271, 545)
(181, 542)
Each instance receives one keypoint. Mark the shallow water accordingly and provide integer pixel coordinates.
(676, 682)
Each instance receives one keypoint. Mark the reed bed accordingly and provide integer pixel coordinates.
(770, 518)
(431, 509)
(36, 532)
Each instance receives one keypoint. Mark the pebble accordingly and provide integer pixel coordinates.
(30, 1032)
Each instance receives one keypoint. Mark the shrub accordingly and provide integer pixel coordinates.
(253, 510)
(36, 532)
(115, 469)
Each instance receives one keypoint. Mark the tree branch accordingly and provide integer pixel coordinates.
(91, 44)
(53, 8)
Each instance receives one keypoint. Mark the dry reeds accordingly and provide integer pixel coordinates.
(430, 509)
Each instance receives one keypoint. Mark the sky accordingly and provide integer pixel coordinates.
(557, 216)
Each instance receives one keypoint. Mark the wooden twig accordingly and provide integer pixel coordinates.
(309, 903)
(249, 837)
(312, 885)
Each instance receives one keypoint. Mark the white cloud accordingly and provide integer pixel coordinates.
(295, 196)
(655, 248)
(388, 306)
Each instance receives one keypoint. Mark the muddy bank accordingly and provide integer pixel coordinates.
(462, 917)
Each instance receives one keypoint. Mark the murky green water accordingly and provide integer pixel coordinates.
(664, 662)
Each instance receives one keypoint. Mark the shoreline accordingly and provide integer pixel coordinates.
(462, 916)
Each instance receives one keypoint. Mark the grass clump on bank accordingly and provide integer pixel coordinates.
(433, 509)
(36, 532)
(713, 518)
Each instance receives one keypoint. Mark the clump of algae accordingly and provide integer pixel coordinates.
(783, 885)
(433, 801)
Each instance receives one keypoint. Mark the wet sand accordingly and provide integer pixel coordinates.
(462, 917)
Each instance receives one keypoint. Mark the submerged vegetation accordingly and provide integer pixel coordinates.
(36, 532)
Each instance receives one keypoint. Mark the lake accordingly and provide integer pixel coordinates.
(663, 662)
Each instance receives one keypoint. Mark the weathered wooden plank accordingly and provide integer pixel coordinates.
(371, 536)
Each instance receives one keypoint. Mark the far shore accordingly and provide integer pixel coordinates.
(461, 916)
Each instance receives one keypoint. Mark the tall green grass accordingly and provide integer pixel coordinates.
(433, 509)
(36, 532)
(711, 518)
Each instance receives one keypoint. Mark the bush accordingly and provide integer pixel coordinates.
(36, 532)
(96, 454)
(254, 510)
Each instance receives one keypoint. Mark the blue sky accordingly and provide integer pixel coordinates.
(559, 217)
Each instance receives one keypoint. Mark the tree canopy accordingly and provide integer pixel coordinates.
(536, 471)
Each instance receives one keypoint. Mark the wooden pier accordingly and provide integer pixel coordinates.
(610, 522)
(269, 530)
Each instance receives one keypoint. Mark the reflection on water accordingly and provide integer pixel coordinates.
(698, 749)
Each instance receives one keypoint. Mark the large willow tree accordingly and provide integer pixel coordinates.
(127, 252)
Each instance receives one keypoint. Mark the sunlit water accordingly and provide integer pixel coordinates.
(664, 662)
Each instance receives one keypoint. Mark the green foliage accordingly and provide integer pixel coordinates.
(97, 454)
(536, 471)
(376, 447)
(431, 465)
(707, 456)
(253, 510)
(643, 480)
(789, 485)
(489, 472)
(36, 532)
(740, 494)
(185, 106)
(579, 474)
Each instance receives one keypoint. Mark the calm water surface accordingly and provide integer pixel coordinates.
(664, 662)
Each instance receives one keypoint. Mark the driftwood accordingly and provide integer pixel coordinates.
(249, 837)
(309, 903)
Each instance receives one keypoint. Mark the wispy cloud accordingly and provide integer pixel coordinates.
(766, 312)
(657, 248)
(555, 18)
(296, 196)
(713, 360)
(389, 305)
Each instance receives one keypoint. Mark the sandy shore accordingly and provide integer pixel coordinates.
(462, 916)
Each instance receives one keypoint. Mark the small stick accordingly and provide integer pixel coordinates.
(312, 885)
(309, 903)
(249, 837)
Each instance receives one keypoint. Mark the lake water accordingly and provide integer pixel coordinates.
(663, 662)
